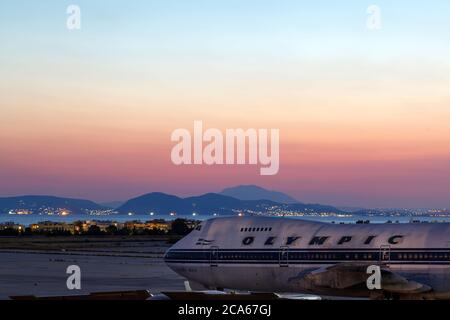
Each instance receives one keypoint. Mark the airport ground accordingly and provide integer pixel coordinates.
(37, 265)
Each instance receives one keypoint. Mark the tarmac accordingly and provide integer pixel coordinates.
(43, 273)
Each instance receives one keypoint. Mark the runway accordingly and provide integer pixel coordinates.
(43, 273)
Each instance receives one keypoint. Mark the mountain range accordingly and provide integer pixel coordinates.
(229, 201)
(209, 204)
(252, 192)
(42, 204)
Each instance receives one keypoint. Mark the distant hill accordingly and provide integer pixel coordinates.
(112, 204)
(252, 192)
(351, 209)
(164, 204)
(41, 204)
(209, 204)
(160, 203)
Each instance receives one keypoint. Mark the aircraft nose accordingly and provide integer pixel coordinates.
(167, 255)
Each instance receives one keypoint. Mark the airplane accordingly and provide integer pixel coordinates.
(283, 255)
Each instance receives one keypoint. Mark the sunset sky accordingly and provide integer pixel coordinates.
(364, 115)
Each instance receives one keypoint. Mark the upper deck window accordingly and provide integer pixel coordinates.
(255, 229)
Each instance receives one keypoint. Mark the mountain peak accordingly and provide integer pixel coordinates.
(253, 192)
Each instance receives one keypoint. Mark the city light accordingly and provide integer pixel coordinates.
(65, 213)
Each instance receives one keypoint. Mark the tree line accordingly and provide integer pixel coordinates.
(179, 227)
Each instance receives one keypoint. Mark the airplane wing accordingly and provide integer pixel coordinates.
(348, 275)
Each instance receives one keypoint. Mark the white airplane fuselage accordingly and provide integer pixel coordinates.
(264, 254)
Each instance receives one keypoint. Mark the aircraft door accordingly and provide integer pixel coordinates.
(214, 256)
(284, 257)
(385, 254)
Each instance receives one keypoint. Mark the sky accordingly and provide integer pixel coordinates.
(363, 114)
